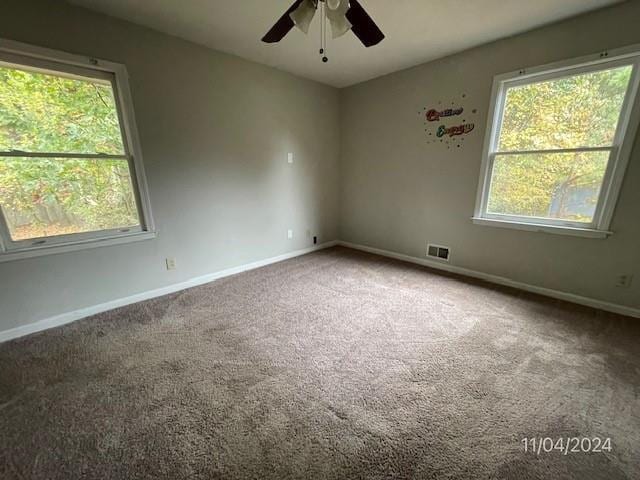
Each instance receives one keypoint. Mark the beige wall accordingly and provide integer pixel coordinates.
(398, 192)
(215, 132)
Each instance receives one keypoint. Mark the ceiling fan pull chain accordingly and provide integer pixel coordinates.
(325, 59)
(321, 31)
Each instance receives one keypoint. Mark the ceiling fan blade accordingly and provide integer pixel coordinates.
(363, 26)
(303, 15)
(336, 13)
(282, 26)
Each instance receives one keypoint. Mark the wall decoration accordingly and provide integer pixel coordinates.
(456, 130)
(448, 125)
(434, 115)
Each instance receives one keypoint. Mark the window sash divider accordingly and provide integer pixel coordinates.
(553, 150)
(80, 237)
(89, 156)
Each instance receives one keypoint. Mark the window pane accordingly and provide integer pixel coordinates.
(48, 197)
(55, 114)
(562, 186)
(571, 112)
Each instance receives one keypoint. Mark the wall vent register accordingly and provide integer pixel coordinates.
(439, 252)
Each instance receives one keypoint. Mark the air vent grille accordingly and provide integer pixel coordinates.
(438, 252)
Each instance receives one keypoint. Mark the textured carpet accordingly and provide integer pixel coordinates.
(335, 365)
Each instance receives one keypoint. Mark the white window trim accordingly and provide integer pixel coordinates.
(117, 75)
(620, 151)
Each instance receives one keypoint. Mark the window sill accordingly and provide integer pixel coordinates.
(536, 227)
(74, 246)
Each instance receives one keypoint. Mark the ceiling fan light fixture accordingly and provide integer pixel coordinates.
(343, 15)
(337, 16)
(303, 15)
(335, 4)
(339, 26)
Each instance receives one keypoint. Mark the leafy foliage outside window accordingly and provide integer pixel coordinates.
(567, 113)
(47, 113)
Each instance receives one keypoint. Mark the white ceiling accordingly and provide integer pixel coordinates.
(417, 30)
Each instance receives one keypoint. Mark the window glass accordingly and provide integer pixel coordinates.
(44, 197)
(563, 186)
(44, 112)
(569, 112)
(560, 149)
(63, 168)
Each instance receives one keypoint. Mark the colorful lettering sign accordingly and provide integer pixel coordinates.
(449, 121)
(456, 130)
(434, 115)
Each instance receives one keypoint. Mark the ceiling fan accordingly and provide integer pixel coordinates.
(342, 15)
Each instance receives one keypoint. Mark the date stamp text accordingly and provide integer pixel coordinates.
(566, 445)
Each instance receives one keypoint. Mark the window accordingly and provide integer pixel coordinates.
(70, 166)
(558, 143)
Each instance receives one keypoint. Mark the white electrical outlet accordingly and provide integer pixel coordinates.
(289, 234)
(624, 281)
(290, 157)
(171, 263)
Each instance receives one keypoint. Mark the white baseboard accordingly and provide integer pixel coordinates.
(547, 292)
(69, 317)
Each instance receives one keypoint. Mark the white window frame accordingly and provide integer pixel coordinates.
(620, 151)
(38, 58)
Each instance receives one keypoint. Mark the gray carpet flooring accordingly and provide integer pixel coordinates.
(335, 365)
